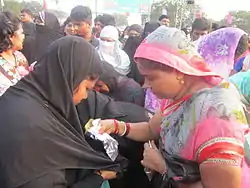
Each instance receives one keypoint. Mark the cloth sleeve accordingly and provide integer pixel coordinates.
(220, 141)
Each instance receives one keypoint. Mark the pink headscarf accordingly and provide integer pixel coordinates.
(171, 47)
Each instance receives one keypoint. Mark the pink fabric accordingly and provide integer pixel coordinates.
(184, 63)
(221, 128)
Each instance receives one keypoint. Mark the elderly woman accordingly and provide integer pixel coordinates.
(110, 51)
(197, 126)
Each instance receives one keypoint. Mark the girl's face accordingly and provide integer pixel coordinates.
(81, 92)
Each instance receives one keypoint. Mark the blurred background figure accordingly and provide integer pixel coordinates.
(215, 26)
(110, 51)
(69, 28)
(164, 20)
(26, 15)
(124, 36)
(47, 31)
(119, 87)
(101, 21)
(200, 27)
(149, 28)
(81, 17)
(135, 30)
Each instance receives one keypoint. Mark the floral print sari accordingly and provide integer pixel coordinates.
(195, 128)
(10, 74)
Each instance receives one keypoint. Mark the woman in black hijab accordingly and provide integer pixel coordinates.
(119, 87)
(149, 28)
(41, 139)
(47, 31)
(29, 30)
(132, 44)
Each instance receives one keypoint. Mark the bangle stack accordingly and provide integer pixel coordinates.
(116, 123)
(127, 127)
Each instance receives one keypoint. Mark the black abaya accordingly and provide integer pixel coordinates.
(101, 106)
(41, 137)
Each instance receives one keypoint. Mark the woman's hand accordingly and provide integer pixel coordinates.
(153, 159)
(107, 175)
(108, 126)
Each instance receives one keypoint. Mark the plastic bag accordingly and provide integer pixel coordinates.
(109, 143)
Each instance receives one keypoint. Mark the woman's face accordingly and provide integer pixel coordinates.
(18, 38)
(164, 84)
(81, 92)
(107, 43)
(133, 33)
(100, 86)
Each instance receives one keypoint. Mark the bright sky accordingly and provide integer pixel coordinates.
(217, 9)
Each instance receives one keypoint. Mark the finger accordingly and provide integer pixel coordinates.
(146, 146)
(153, 144)
(102, 130)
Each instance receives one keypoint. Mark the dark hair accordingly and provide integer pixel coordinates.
(242, 46)
(223, 26)
(135, 27)
(201, 24)
(109, 75)
(27, 11)
(105, 19)
(185, 30)
(81, 13)
(154, 65)
(149, 28)
(67, 21)
(163, 16)
(215, 26)
(9, 23)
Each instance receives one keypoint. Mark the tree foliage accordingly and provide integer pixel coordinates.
(241, 19)
(180, 13)
(16, 6)
(120, 19)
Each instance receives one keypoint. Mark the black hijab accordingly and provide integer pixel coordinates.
(46, 34)
(29, 45)
(110, 76)
(29, 29)
(149, 28)
(41, 132)
(135, 27)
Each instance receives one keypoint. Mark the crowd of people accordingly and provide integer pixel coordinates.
(176, 102)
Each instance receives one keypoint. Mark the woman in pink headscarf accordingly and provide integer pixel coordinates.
(201, 133)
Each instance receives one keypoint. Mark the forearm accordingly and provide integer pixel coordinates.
(141, 132)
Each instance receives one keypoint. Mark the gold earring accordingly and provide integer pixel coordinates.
(181, 80)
